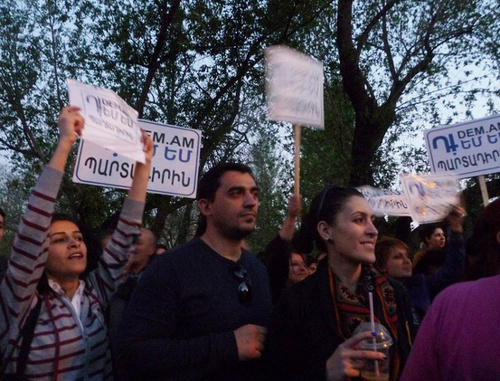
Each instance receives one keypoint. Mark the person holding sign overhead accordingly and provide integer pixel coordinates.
(458, 339)
(311, 334)
(442, 263)
(51, 320)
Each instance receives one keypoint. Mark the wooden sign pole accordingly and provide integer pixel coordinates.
(484, 191)
(296, 137)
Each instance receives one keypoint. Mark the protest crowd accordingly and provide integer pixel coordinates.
(210, 309)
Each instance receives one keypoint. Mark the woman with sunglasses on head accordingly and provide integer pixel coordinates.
(311, 331)
(44, 286)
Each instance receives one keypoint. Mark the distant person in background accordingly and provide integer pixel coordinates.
(298, 270)
(441, 251)
(283, 267)
(458, 339)
(145, 250)
(393, 260)
(432, 256)
(139, 259)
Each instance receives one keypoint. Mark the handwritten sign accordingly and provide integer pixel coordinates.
(465, 149)
(174, 168)
(385, 201)
(294, 87)
(430, 197)
(109, 121)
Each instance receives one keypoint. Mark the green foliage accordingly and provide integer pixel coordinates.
(390, 68)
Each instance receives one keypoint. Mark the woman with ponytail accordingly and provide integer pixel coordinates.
(311, 335)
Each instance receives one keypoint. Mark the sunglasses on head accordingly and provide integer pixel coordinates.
(327, 188)
(245, 287)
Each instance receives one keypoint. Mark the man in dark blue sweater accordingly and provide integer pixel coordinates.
(200, 311)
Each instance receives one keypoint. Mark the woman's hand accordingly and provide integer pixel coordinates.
(147, 146)
(70, 124)
(457, 215)
(347, 360)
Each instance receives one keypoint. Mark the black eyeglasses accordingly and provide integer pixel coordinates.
(245, 287)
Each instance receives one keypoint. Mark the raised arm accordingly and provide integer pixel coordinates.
(70, 126)
(277, 252)
(288, 227)
(30, 248)
(454, 265)
(115, 254)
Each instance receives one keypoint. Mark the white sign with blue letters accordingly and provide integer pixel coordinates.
(465, 149)
(430, 197)
(174, 168)
(109, 121)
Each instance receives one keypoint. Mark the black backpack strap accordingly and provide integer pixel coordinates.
(27, 334)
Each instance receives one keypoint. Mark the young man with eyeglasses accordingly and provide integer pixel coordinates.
(200, 311)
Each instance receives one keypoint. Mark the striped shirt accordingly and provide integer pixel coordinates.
(64, 346)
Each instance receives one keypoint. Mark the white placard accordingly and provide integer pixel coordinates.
(109, 121)
(174, 168)
(294, 87)
(385, 201)
(465, 149)
(430, 197)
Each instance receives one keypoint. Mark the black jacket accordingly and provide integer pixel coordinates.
(303, 331)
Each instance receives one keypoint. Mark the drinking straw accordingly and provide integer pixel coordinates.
(372, 322)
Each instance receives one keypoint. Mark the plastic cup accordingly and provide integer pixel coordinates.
(376, 370)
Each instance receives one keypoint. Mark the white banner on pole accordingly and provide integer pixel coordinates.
(385, 201)
(430, 197)
(174, 168)
(294, 87)
(109, 121)
(465, 149)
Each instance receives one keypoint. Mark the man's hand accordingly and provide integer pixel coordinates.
(250, 341)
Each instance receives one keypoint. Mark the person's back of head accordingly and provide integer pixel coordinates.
(486, 243)
(210, 182)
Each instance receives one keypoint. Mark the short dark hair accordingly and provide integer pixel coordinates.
(383, 249)
(210, 182)
(2, 213)
(94, 250)
(426, 231)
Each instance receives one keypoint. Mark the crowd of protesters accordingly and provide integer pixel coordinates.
(210, 310)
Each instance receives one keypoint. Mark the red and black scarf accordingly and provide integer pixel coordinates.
(351, 309)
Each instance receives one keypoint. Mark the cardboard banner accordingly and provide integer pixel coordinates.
(109, 121)
(465, 149)
(385, 201)
(174, 168)
(294, 87)
(430, 197)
